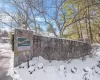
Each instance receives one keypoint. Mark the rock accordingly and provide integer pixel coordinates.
(73, 71)
(40, 66)
(87, 70)
(62, 68)
(31, 69)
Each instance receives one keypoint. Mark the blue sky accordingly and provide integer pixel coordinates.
(10, 8)
(5, 5)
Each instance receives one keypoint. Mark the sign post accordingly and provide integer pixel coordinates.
(23, 46)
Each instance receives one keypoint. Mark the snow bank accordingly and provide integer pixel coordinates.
(41, 69)
(61, 70)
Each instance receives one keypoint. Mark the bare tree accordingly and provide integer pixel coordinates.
(24, 13)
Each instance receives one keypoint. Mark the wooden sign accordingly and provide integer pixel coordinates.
(23, 45)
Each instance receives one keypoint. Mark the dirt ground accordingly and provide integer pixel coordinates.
(5, 55)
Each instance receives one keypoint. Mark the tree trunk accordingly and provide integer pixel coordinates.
(90, 30)
(87, 31)
(81, 35)
(78, 31)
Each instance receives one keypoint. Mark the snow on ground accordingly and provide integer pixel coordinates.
(7, 55)
(12, 72)
(42, 69)
(4, 48)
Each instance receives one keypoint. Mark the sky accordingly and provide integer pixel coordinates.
(10, 8)
(5, 5)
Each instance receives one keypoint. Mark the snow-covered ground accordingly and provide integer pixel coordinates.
(5, 47)
(42, 69)
(5, 55)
